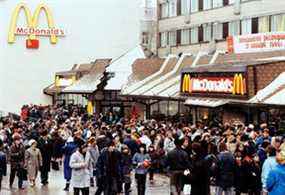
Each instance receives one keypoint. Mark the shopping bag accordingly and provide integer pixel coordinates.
(55, 165)
(187, 189)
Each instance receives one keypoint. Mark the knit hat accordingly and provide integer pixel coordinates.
(32, 141)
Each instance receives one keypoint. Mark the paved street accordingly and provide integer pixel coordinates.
(161, 187)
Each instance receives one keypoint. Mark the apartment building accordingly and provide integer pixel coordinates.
(191, 26)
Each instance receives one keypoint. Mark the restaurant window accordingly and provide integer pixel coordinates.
(164, 10)
(194, 6)
(234, 28)
(225, 30)
(163, 108)
(173, 108)
(217, 3)
(218, 31)
(194, 35)
(264, 24)
(154, 108)
(172, 8)
(207, 4)
(172, 38)
(185, 37)
(207, 32)
(246, 26)
(185, 7)
(163, 39)
(278, 23)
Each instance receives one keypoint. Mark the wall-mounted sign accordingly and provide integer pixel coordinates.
(32, 30)
(64, 81)
(234, 84)
(261, 42)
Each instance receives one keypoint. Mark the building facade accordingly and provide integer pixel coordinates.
(192, 26)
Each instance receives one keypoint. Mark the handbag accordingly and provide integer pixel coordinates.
(23, 174)
(55, 165)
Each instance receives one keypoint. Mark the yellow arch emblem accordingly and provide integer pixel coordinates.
(32, 21)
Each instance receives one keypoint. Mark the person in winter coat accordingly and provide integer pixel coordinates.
(33, 161)
(169, 142)
(93, 155)
(225, 171)
(275, 183)
(250, 173)
(141, 161)
(3, 163)
(154, 156)
(261, 152)
(264, 137)
(178, 161)
(46, 147)
(80, 179)
(269, 164)
(199, 172)
(126, 164)
(108, 170)
(68, 150)
(57, 144)
(17, 159)
(130, 142)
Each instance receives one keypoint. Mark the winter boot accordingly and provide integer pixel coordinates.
(66, 187)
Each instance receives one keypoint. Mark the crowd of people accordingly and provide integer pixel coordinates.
(105, 151)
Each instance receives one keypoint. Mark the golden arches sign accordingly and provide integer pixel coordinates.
(239, 85)
(233, 84)
(186, 83)
(32, 21)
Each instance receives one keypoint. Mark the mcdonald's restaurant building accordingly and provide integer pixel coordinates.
(243, 92)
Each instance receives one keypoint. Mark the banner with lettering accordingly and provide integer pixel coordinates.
(261, 42)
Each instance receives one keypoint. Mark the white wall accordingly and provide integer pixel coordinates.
(95, 29)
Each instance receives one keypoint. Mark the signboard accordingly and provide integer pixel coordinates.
(32, 30)
(233, 84)
(261, 42)
(64, 82)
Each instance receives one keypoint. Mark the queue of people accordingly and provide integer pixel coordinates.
(104, 151)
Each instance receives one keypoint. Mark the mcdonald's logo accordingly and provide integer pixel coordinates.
(64, 82)
(187, 83)
(32, 30)
(239, 85)
(233, 84)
